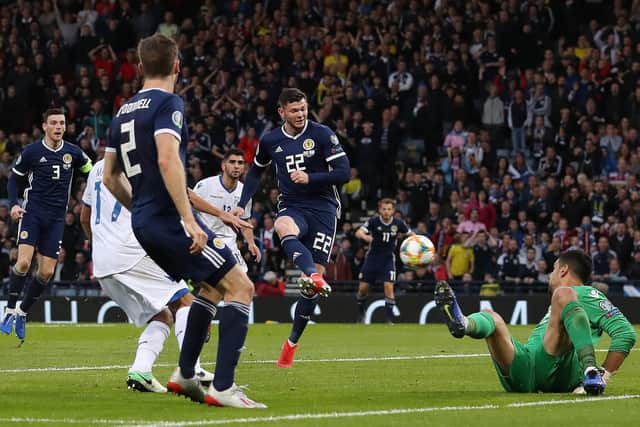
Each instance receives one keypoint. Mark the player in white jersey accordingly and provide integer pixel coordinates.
(223, 191)
(134, 281)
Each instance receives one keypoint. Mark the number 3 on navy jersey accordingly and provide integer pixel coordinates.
(56, 172)
(295, 162)
(129, 169)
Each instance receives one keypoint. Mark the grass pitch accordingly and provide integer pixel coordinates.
(345, 375)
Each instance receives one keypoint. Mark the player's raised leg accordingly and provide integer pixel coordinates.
(361, 299)
(289, 230)
(17, 279)
(481, 325)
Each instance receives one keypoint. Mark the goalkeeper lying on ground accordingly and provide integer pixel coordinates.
(559, 355)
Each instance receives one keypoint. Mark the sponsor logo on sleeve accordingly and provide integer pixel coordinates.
(334, 139)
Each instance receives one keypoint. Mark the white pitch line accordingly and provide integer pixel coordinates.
(256, 362)
(309, 416)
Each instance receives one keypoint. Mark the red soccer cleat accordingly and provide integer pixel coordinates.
(286, 357)
(314, 284)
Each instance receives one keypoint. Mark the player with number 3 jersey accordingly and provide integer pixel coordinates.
(48, 166)
(309, 163)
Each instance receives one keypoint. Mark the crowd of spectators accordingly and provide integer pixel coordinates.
(507, 131)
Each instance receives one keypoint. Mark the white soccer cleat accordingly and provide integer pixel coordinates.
(188, 387)
(144, 382)
(233, 397)
(204, 376)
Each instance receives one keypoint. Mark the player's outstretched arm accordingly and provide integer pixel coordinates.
(363, 235)
(114, 179)
(251, 182)
(623, 338)
(202, 205)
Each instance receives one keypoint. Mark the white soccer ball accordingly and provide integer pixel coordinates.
(417, 251)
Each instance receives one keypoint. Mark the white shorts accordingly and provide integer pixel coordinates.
(142, 291)
(237, 255)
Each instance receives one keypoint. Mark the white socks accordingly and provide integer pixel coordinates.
(182, 314)
(150, 345)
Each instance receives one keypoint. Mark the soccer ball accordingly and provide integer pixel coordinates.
(417, 251)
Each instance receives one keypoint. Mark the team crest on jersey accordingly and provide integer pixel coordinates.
(308, 144)
(24, 234)
(176, 118)
(218, 243)
(67, 159)
(606, 305)
(394, 228)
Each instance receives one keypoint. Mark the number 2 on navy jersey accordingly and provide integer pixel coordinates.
(295, 162)
(127, 147)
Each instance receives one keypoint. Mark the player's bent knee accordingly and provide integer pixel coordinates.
(564, 295)
(499, 321)
(22, 265)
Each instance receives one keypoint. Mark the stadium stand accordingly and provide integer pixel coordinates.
(516, 118)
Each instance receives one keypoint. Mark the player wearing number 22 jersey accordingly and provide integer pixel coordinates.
(309, 163)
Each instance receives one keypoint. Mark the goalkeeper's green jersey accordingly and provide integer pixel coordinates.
(603, 317)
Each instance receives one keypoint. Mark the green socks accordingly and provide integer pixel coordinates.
(481, 325)
(576, 323)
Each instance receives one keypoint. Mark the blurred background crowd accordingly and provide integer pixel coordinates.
(507, 131)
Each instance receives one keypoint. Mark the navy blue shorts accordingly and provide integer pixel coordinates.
(167, 243)
(375, 270)
(317, 230)
(45, 234)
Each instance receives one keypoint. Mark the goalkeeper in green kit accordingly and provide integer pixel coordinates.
(559, 355)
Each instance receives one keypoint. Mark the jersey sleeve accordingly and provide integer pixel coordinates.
(403, 227)
(89, 190)
(23, 162)
(609, 319)
(331, 148)
(82, 162)
(200, 188)
(366, 225)
(247, 210)
(170, 118)
(262, 158)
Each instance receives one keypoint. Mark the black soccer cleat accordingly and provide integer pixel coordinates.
(446, 301)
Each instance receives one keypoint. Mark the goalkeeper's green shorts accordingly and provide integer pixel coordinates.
(534, 370)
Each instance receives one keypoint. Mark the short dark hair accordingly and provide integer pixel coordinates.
(290, 94)
(233, 152)
(52, 112)
(157, 54)
(579, 263)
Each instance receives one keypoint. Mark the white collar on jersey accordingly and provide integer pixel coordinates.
(51, 149)
(298, 135)
(228, 190)
(386, 223)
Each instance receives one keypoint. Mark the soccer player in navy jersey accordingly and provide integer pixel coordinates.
(148, 146)
(46, 169)
(381, 232)
(309, 163)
